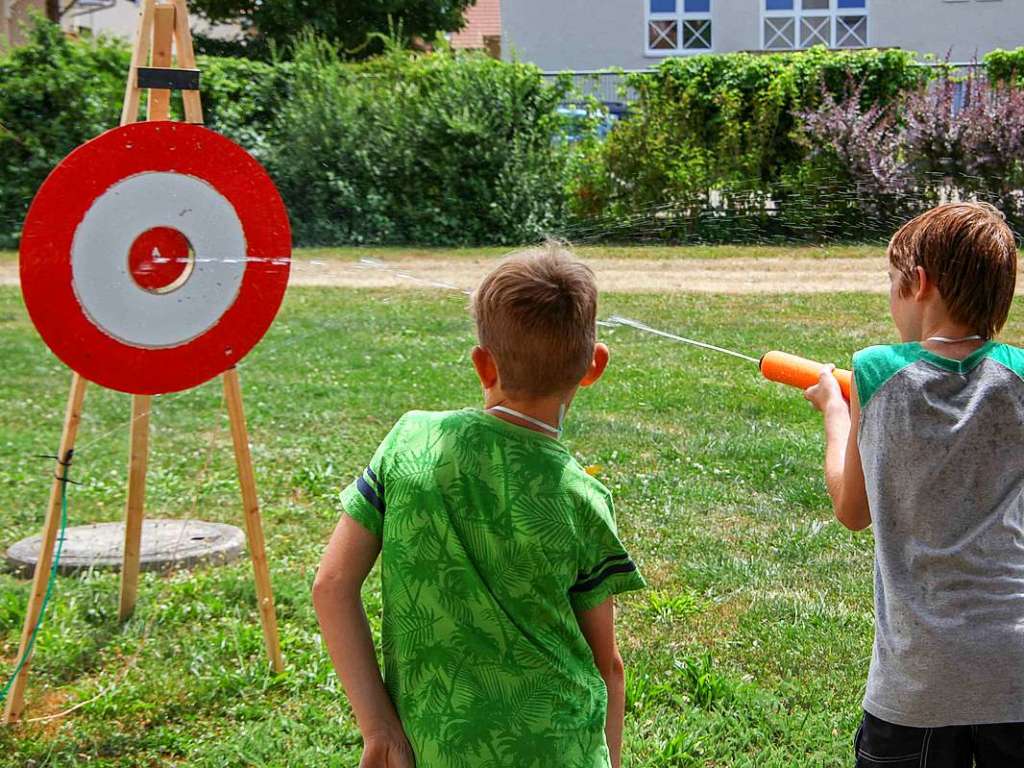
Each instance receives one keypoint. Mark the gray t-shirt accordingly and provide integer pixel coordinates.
(942, 444)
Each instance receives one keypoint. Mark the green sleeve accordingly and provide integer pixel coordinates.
(874, 366)
(1011, 357)
(365, 498)
(605, 568)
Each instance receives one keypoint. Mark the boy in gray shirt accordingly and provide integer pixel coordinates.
(930, 450)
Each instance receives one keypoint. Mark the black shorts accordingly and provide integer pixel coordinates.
(879, 744)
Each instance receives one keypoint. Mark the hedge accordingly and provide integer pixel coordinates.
(445, 149)
(716, 142)
(56, 93)
(457, 149)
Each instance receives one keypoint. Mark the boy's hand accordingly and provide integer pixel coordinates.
(387, 751)
(826, 393)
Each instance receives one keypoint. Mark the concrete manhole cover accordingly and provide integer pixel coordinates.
(166, 544)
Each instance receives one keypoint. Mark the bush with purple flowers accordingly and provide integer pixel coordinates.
(954, 138)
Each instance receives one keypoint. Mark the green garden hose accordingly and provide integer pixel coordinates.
(64, 481)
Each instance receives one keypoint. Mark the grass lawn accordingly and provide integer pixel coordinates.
(749, 649)
(588, 252)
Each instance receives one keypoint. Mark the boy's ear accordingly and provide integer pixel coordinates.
(920, 285)
(486, 368)
(597, 365)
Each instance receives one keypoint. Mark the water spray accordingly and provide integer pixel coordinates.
(780, 367)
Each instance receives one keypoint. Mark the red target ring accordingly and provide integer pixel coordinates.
(155, 257)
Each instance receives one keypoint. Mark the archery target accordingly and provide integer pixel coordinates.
(155, 257)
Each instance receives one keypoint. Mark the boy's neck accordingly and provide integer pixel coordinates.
(544, 409)
(958, 343)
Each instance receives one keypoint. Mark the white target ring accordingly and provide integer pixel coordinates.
(104, 284)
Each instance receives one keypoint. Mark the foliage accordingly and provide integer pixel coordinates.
(1005, 66)
(355, 26)
(446, 148)
(54, 95)
(57, 93)
(966, 137)
(242, 99)
(439, 148)
(856, 176)
(721, 131)
(454, 148)
(953, 137)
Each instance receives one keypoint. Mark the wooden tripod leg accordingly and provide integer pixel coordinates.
(187, 60)
(72, 416)
(253, 524)
(158, 106)
(138, 462)
(140, 52)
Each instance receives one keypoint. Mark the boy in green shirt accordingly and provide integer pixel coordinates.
(499, 555)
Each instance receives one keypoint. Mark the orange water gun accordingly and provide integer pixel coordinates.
(775, 366)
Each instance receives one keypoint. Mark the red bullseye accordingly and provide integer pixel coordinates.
(160, 260)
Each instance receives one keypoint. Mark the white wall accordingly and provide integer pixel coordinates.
(595, 34)
(118, 21)
(965, 30)
(574, 34)
(122, 19)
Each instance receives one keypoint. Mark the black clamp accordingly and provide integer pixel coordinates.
(168, 78)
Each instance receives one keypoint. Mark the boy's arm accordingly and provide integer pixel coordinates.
(598, 627)
(349, 556)
(844, 475)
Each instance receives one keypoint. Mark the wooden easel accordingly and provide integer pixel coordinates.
(163, 26)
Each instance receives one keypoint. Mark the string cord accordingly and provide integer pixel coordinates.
(65, 480)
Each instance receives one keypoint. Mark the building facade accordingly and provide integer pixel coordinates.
(637, 34)
(87, 18)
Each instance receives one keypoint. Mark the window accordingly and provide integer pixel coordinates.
(677, 27)
(789, 24)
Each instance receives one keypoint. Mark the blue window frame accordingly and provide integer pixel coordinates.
(675, 27)
(792, 24)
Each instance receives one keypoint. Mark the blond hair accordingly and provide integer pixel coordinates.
(536, 314)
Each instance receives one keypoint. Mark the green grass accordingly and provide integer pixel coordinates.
(749, 649)
(590, 252)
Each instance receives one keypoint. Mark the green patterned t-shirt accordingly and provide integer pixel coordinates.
(493, 536)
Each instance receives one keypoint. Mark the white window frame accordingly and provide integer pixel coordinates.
(680, 17)
(797, 14)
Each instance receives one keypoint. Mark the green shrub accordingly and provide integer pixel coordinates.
(447, 149)
(54, 95)
(242, 98)
(456, 149)
(57, 93)
(442, 148)
(726, 127)
(1005, 66)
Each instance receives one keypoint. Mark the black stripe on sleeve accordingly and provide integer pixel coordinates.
(585, 586)
(584, 575)
(379, 485)
(371, 495)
